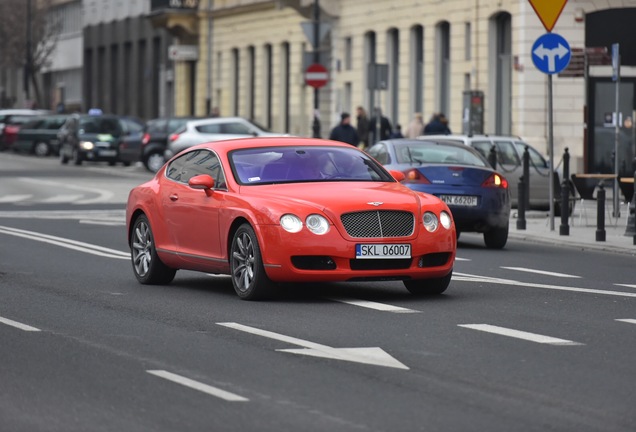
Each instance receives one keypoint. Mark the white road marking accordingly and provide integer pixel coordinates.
(373, 355)
(106, 215)
(626, 285)
(56, 199)
(462, 259)
(14, 198)
(485, 279)
(543, 272)
(374, 305)
(103, 195)
(67, 243)
(630, 321)
(18, 325)
(196, 385)
(532, 337)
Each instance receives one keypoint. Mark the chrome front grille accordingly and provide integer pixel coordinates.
(378, 223)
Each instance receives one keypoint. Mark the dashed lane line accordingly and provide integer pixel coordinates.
(543, 272)
(630, 321)
(18, 325)
(14, 198)
(196, 385)
(532, 337)
(374, 305)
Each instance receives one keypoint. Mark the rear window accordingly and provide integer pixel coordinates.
(156, 126)
(438, 153)
(99, 125)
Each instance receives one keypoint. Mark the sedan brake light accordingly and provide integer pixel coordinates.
(496, 181)
(146, 139)
(173, 137)
(414, 176)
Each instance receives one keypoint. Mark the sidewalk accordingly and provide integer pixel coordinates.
(582, 232)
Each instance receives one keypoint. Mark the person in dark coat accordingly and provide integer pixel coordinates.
(385, 126)
(437, 125)
(344, 132)
(362, 127)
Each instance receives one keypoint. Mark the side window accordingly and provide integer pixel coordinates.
(235, 128)
(535, 157)
(175, 171)
(482, 147)
(506, 153)
(380, 153)
(199, 162)
(209, 128)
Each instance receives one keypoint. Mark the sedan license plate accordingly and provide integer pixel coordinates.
(459, 200)
(382, 251)
(107, 153)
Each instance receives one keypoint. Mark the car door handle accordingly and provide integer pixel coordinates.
(174, 197)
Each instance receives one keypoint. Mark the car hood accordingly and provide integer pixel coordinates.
(334, 198)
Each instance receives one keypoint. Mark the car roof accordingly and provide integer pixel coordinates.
(285, 141)
(212, 120)
(20, 111)
(469, 137)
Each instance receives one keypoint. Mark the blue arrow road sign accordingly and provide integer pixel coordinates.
(551, 53)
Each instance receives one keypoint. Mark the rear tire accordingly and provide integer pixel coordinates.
(427, 287)
(146, 264)
(496, 238)
(154, 162)
(41, 148)
(246, 266)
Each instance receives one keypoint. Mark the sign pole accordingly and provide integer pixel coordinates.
(551, 149)
(617, 78)
(316, 125)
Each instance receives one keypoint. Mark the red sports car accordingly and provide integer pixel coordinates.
(284, 209)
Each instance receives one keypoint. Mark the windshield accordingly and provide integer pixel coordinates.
(304, 164)
(437, 153)
(99, 125)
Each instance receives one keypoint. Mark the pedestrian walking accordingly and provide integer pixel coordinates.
(416, 127)
(385, 126)
(362, 127)
(344, 132)
(397, 132)
(437, 125)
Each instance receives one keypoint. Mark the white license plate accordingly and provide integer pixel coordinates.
(459, 200)
(107, 153)
(378, 251)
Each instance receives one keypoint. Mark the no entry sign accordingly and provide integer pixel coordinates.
(316, 75)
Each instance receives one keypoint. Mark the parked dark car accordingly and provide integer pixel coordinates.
(10, 123)
(39, 136)
(95, 137)
(149, 145)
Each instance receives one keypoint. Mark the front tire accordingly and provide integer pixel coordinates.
(41, 148)
(246, 266)
(427, 287)
(147, 266)
(496, 238)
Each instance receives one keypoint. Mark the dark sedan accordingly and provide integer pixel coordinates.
(39, 136)
(477, 195)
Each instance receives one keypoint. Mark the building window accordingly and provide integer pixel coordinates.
(467, 41)
(251, 56)
(416, 97)
(393, 60)
(442, 76)
(348, 49)
(500, 62)
(369, 59)
(236, 84)
(286, 84)
(268, 85)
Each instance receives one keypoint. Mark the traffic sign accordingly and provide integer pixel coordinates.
(548, 11)
(316, 75)
(551, 53)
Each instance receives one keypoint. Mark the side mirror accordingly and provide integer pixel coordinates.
(397, 175)
(203, 182)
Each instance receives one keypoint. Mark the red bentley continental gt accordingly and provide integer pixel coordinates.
(285, 209)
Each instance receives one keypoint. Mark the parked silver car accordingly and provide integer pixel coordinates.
(510, 163)
(213, 129)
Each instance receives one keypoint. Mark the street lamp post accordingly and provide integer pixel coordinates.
(316, 123)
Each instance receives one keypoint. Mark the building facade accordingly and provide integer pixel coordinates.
(252, 55)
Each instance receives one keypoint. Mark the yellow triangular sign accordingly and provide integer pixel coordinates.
(548, 11)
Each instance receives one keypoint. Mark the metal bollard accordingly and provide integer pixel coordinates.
(526, 176)
(600, 212)
(631, 218)
(564, 229)
(521, 205)
(492, 157)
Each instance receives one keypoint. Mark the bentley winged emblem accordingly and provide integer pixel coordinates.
(375, 203)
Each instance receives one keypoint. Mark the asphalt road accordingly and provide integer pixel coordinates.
(530, 338)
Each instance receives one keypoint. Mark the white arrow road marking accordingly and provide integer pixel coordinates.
(196, 385)
(484, 279)
(373, 356)
(630, 321)
(543, 272)
(103, 195)
(374, 305)
(532, 337)
(626, 285)
(14, 198)
(67, 243)
(18, 325)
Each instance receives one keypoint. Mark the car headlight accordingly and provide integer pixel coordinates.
(87, 145)
(317, 224)
(445, 220)
(430, 221)
(291, 223)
